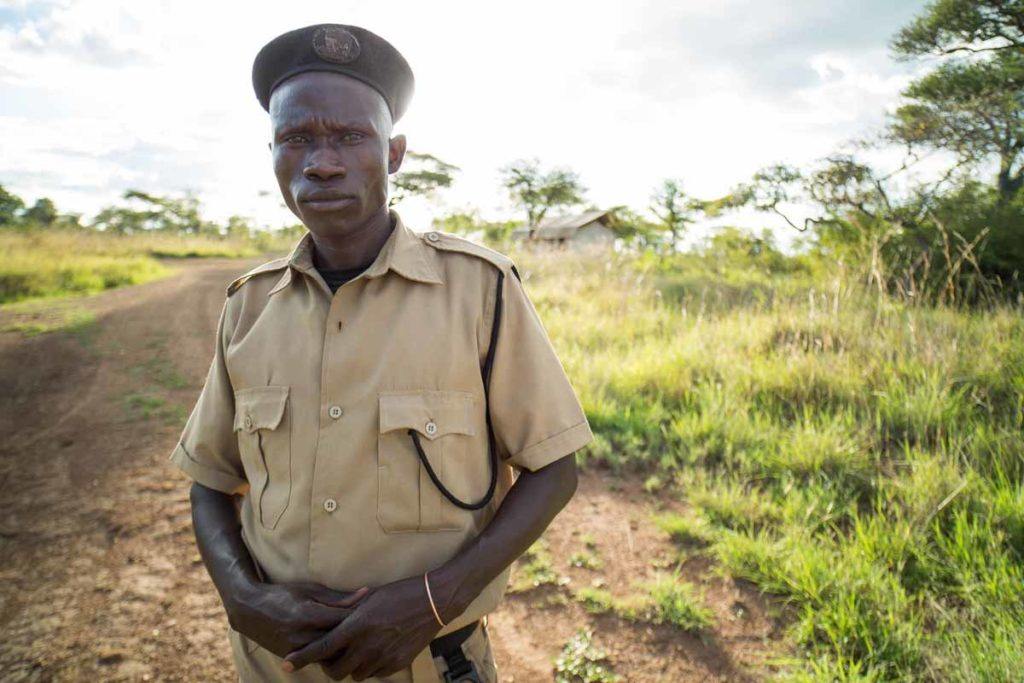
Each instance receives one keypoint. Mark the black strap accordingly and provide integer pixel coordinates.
(449, 647)
(443, 646)
(491, 455)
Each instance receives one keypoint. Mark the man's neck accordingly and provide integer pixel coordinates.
(354, 249)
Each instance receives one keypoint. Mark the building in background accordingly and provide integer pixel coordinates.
(586, 230)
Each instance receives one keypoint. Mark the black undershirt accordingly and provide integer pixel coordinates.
(336, 278)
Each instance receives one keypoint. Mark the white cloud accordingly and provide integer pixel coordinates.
(98, 97)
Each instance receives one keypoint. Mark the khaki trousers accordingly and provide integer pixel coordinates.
(257, 665)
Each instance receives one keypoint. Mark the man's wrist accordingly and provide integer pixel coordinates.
(454, 586)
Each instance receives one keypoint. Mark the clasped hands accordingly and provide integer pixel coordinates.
(363, 633)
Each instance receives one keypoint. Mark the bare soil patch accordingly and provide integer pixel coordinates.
(101, 579)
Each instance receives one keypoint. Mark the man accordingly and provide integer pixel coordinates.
(370, 398)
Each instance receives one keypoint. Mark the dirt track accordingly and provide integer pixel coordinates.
(100, 577)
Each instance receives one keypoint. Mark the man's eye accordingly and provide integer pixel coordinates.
(295, 139)
(351, 137)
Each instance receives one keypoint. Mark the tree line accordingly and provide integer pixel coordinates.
(956, 236)
(953, 237)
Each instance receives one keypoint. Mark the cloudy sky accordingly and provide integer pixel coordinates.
(97, 97)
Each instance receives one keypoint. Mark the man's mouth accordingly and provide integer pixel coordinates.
(326, 201)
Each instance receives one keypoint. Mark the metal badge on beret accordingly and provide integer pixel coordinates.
(335, 44)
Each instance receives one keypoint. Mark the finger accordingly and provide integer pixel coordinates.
(366, 669)
(321, 648)
(342, 667)
(318, 615)
(353, 597)
(332, 668)
(335, 598)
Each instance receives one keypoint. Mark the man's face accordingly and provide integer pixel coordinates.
(332, 150)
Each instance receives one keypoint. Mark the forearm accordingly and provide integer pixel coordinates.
(524, 514)
(219, 538)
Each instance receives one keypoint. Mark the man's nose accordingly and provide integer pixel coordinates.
(323, 165)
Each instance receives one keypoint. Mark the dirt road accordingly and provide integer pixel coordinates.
(100, 578)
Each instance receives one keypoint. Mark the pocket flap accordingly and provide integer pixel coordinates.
(431, 413)
(259, 407)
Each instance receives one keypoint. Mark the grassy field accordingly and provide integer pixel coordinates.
(42, 264)
(860, 458)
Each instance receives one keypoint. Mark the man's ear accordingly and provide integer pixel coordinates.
(396, 153)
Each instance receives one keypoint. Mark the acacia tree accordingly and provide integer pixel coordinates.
(536, 191)
(427, 175)
(674, 208)
(167, 214)
(960, 26)
(972, 104)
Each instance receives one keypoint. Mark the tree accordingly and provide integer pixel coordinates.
(428, 175)
(458, 222)
(469, 221)
(674, 209)
(175, 214)
(120, 220)
(42, 213)
(536, 191)
(239, 227)
(636, 230)
(957, 26)
(973, 103)
(167, 214)
(10, 205)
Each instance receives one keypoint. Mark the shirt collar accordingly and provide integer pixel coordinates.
(404, 252)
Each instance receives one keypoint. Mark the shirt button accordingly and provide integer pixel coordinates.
(431, 428)
(330, 505)
(248, 421)
(335, 412)
(433, 236)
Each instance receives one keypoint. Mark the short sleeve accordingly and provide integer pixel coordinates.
(535, 413)
(207, 450)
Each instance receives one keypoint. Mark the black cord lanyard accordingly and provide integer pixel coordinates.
(492, 457)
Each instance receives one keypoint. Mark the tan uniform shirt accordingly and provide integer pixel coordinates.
(309, 398)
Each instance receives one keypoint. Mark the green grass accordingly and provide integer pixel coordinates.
(32, 276)
(161, 371)
(860, 458)
(597, 600)
(665, 599)
(43, 264)
(146, 406)
(686, 530)
(32, 318)
(676, 602)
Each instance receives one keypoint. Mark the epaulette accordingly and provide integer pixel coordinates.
(269, 266)
(450, 242)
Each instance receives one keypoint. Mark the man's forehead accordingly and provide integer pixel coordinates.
(327, 95)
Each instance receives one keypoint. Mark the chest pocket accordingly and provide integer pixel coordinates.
(407, 500)
(264, 442)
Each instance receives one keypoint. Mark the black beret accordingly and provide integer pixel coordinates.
(343, 49)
